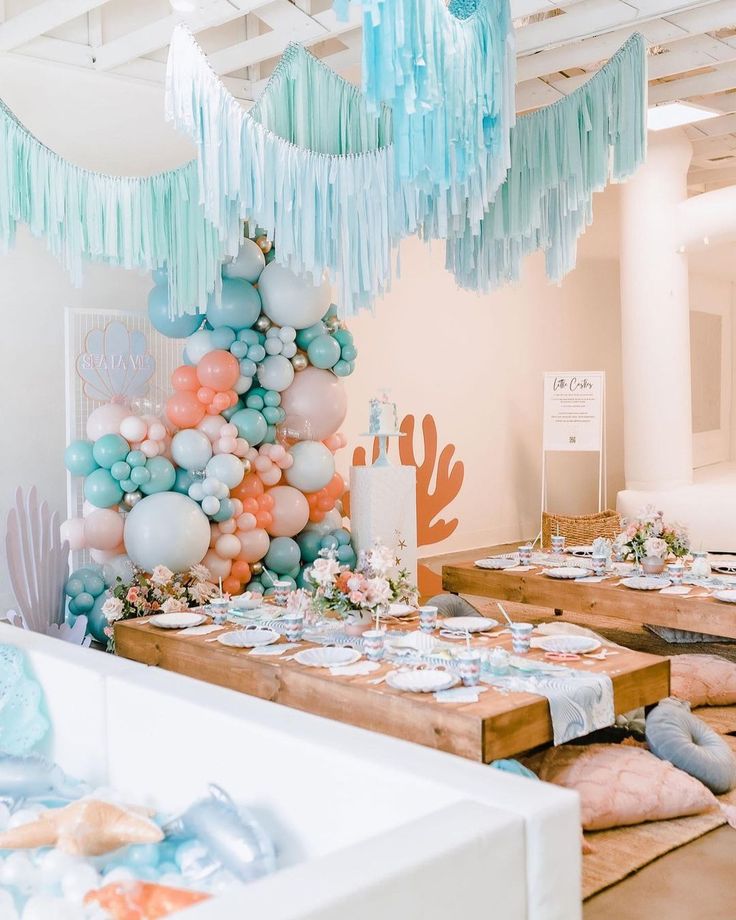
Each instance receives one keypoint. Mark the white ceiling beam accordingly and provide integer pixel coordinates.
(155, 35)
(718, 80)
(595, 17)
(58, 51)
(707, 176)
(150, 71)
(43, 17)
(712, 127)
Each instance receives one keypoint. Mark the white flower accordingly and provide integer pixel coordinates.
(378, 591)
(381, 560)
(202, 591)
(161, 575)
(200, 572)
(113, 609)
(173, 605)
(324, 571)
(655, 547)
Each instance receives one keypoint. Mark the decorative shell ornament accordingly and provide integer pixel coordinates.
(116, 365)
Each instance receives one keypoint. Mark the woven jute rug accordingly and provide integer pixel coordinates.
(620, 852)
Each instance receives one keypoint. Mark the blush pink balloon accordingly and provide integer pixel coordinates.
(246, 521)
(237, 507)
(106, 419)
(212, 426)
(241, 447)
(219, 567)
(103, 529)
(227, 546)
(228, 431)
(133, 428)
(318, 397)
(72, 531)
(228, 526)
(290, 511)
(214, 534)
(105, 555)
(227, 445)
(262, 464)
(150, 448)
(253, 545)
(271, 476)
(157, 431)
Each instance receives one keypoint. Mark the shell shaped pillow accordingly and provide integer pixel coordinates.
(676, 735)
(621, 784)
(703, 680)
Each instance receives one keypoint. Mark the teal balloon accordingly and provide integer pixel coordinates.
(270, 435)
(346, 555)
(283, 555)
(349, 353)
(163, 476)
(342, 369)
(140, 475)
(239, 350)
(160, 275)
(79, 458)
(223, 337)
(93, 584)
(303, 580)
(83, 603)
(305, 336)
(342, 536)
(251, 425)
(74, 586)
(184, 478)
(254, 400)
(136, 458)
(251, 337)
(177, 327)
(127, 485)
(110, 449)
(73, 609)
(256, 353)
(101, 490)
(329, 542)
(310, 543)
(239, 306)
(97, 621)
(227, 510)
(228, 414)
(272, 414)
(323, 352)
(248, 368)
(254, 586)
(272, 398)
(120, 470)
(290, 581)
(343, 337)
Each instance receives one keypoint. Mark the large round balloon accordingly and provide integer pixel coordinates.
(283, 555)
(239, 305)
(184, 410)
(105, 419)
(198, 345)
(313, 466)
(218, 369)
(289, 300)
(290, 511)
(96, 620)
(191, 449)
(162, 476)
(227, 468)
(248, 264)
(276, 373)
(101, 490)
(251, 425)
(110, 449)
(318, 397)
(177, 327)
(166, 529)
(79, 459)
(253, 545)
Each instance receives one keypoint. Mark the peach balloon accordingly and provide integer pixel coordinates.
(227, 546)
(318, 397)
(336, 486)
(228, 526)
(205, 395)
(105, 555)
(212, 426)
(219, 567)
(72, 532)
(290, 510)
(247, 521)
(106, 419)
(250, 487)
(184, 410)
(271, 476)
(184, 378)
(266, 501)
(219, 370)
(232, 585)
(241, 571)
(264, 519)
(253, 545)
(103, 529)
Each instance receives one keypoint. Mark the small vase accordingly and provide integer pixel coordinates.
(357, 623)
(652, 565)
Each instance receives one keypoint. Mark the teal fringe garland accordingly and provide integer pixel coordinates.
(146, 223)
(560, 156)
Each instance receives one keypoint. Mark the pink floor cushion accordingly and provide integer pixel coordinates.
(621, 784)
(703, 680)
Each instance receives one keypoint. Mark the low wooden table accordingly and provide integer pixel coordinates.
(605, 598)
(498, 725)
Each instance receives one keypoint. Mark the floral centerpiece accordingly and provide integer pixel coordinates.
(161, 591)
(648, 535)
(358, 594)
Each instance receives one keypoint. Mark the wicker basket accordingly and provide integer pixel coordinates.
(580, 530)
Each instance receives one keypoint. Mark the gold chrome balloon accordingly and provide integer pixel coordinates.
(264, 244)
(263, 323)
(299, 362)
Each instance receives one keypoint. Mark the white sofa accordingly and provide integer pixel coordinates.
(367, 826)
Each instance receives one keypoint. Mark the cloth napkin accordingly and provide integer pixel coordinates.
(273, 650)
(354, 670)
(517, 568)
(459, 694)
(579, 702)
(200, 630)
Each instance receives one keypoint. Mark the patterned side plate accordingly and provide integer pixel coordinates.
(498, 562)
(566, 571)
(646, 582)
(427, 681)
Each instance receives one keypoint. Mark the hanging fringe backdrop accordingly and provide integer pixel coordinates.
(147, 222)
(560, 156)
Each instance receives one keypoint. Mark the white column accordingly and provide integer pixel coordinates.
(655, 320)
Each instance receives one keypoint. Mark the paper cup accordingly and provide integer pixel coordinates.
(521, 635)
(373, 643)
(427, 618)
(469, 660)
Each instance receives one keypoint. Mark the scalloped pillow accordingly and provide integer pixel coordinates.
(703, 680)
(621, 784)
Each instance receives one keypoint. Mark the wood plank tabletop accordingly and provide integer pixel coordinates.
(498, 725)
(606, 598)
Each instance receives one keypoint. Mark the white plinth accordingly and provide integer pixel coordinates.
(383, 506)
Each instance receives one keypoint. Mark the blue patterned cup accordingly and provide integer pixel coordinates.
(427, 618)
(281, 591)
(676, 572)
(521, 637)
(558, 543)
(599, 565)
(373, 644)
(293, 626)
(525, 554)
(469, 660)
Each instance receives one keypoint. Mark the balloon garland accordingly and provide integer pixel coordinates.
(238, 473)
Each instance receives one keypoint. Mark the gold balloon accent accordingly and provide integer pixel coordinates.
(299, 362)
(247, 466)
(263, 323)
(256, 568)
(332, 323)
(264, 244)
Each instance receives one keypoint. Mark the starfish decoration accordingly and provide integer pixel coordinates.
(125, 900)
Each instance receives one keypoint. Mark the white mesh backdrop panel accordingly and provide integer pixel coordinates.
(116, 365)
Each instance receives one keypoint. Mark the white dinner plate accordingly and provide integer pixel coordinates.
(728, 595)
(573, 645)
(330, 656)
(498, 562)
(177, 620)
(567, 571)
(586, 550)
(422, 681)
(401, 610)
(468, 624)
(248, 638)
(247, 601)
(646, 582)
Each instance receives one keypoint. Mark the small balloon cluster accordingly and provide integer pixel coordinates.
(87, 589)
(237, 470)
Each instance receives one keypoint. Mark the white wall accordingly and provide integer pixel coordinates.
(474, 362)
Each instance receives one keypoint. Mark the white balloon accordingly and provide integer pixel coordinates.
(133, 428)
(227, 469)
(331, 521)
(210, 504)
(211, 425)
(166, 528)
(105, 419)
(248, 264)
(211, 486)
(196, 491)
(77, 881)
(276, 372)
(198, 345)
(313, 467)
(289, 300)
(118, 567)
(191, 449)
(7, 906)
(273, 345)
